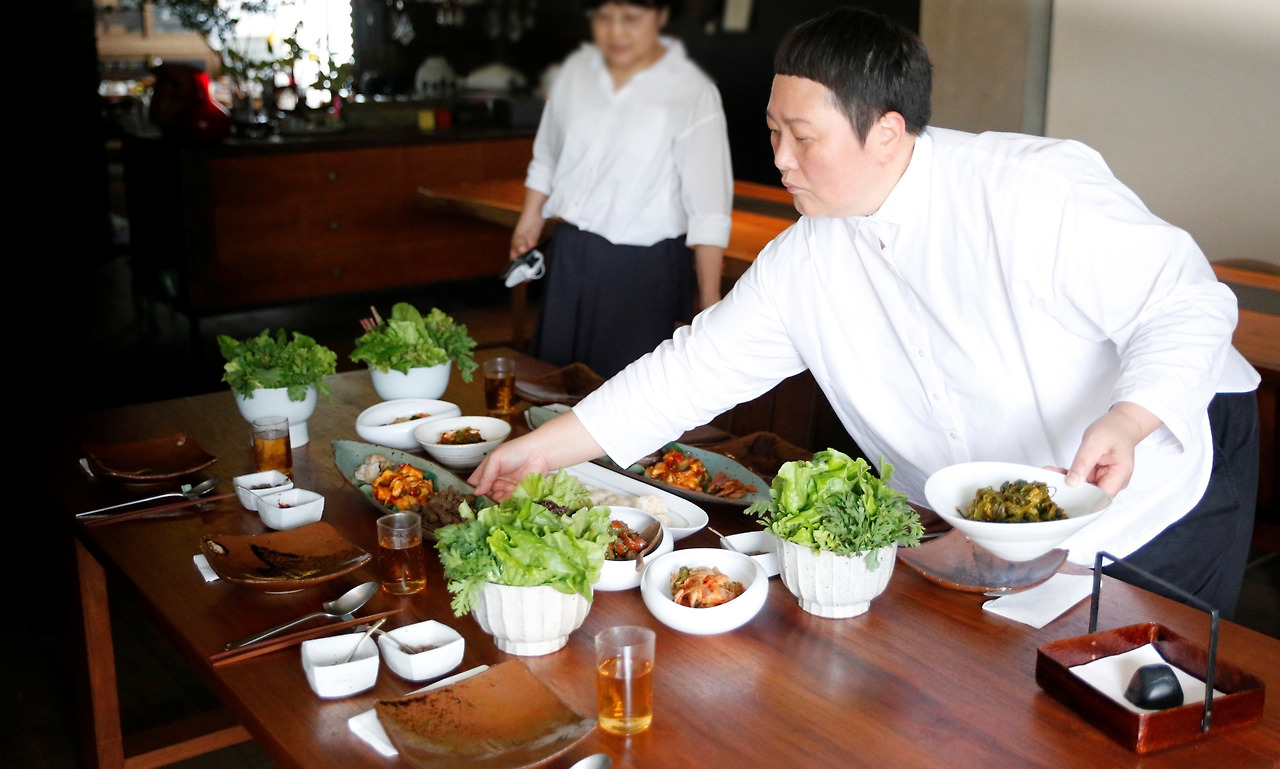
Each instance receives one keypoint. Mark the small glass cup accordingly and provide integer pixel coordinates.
(271, 445)
(500, 387)
(624, 679)
(402, 562)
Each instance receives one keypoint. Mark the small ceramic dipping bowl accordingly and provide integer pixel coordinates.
(329, 676)
(441, 646)
(250, 487)
(290, 509)
(762, 546)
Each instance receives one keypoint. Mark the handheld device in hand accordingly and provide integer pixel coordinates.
(527, 266)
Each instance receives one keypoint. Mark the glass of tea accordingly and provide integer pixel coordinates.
(500, 386)
(624, 679)
(402, 562)
(271, 445)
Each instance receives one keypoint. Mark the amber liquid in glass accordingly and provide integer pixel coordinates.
(500, 393)
(625, 701)
(402, 564)
(273, 453)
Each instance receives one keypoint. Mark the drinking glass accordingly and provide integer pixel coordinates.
(624, 679)
(402, 562)
(271, 445)
(500, 386)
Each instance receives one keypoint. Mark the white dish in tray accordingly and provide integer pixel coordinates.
(683, 517)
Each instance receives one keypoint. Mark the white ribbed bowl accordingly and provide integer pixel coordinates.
(529, 620)
(831, 585)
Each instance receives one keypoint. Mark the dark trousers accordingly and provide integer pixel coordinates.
(1205, 552)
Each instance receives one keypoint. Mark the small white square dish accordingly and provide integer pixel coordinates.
(762, 546)
(253, 485)
(290, 509)
(329, 676)
(422, 650)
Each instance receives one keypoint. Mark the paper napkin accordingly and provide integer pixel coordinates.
(206, 571)
(1042, 604)
(1111, 675)
(367, 727)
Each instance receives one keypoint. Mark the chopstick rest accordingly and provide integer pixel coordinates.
(1042, 604)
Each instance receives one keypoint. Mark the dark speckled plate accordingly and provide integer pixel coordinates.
(282, 561)
(954, 561)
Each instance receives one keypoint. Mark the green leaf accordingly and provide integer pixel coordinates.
(408, 340)
(267, 362)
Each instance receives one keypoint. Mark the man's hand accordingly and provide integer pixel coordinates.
(1105, 456)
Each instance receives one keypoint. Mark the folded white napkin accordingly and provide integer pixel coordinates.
(367, 727)
(206, 571)
(1111, 676)
(1042, 604)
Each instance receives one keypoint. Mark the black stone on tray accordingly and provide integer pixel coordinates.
(1154, 687)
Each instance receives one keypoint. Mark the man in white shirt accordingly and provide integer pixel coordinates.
(963, 297)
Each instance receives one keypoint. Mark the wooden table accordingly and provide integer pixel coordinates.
(926, 678)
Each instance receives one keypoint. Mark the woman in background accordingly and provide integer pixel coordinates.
(632, 155)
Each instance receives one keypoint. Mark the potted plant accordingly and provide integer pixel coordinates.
(524, 568)
(411, 356)
(278, 376)
(839, 527)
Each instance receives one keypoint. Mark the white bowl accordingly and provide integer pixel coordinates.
(952, 489)
(329, 676)
(622, 575)
(834, 586)
(374, 423)
(655, 588)
(250, 487)
(290, 509)
(762, 546)
(422, 665)
(420, 382)
(462, 456)
(274, 402)
(531, 620)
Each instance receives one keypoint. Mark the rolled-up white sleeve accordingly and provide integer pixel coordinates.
(706, 173)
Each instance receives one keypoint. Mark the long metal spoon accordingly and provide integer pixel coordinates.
(652, 535)
(188, 491)
(338, 608)
(364, 638)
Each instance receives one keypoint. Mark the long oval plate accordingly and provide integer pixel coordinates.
(683, 517)
(349, 455)
(715, 463)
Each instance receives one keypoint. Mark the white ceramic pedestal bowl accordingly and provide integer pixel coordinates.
(420, 382)
(274, 402)
(529, 620)
(830, 585)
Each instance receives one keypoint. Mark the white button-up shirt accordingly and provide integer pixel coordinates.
(639, 164)
(1006, 294)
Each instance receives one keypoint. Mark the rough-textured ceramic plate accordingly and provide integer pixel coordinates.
(566, 385)
(954, 561)
(282, 561)
(715, 463)
(502, 718)
(762, 453)
(157, 459)
(349, 455)
(682, 517)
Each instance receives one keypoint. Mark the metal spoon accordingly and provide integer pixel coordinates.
(364, 638)
(594, 761)
(188, 491)
(338, 608)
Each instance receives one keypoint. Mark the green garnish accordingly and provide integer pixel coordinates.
(267, 362)
(408, 340)
(836, 503)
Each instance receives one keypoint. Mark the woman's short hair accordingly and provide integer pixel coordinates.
(657, 5)
(870, 64)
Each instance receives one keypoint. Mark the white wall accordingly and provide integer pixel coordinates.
(1182, 97)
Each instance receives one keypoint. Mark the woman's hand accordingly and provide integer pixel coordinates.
(1105, 456)
(560, 442)
(529, 227)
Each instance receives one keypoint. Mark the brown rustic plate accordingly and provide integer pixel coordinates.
(157, 459)
(502, 718)
(282, 561)
(567, 385)
(954, 561)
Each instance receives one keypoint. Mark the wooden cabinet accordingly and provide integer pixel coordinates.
(227, 230)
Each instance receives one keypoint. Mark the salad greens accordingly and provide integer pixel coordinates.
(407, 340)
(267, 362)
(545, 533)
(836, 503)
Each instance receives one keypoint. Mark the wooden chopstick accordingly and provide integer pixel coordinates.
(275, 643)
(98, 520)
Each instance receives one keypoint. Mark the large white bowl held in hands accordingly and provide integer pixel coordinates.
(951, 490)
(529, 620)
(834, 586)
(655, 588)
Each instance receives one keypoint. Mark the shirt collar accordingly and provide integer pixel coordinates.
(909, 198)
(673, 57)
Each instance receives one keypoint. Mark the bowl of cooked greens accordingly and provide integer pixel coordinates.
(524, 568)
(1017, 512)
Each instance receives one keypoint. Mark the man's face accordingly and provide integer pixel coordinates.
(627, 35)
(825, 168)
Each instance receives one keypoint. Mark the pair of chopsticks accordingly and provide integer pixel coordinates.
(275, 643)
(145, 512)
(368, 324)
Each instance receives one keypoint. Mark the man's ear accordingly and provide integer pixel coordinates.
(887, 135)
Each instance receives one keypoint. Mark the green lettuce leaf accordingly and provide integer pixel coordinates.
(268, 362)
(408, 340)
